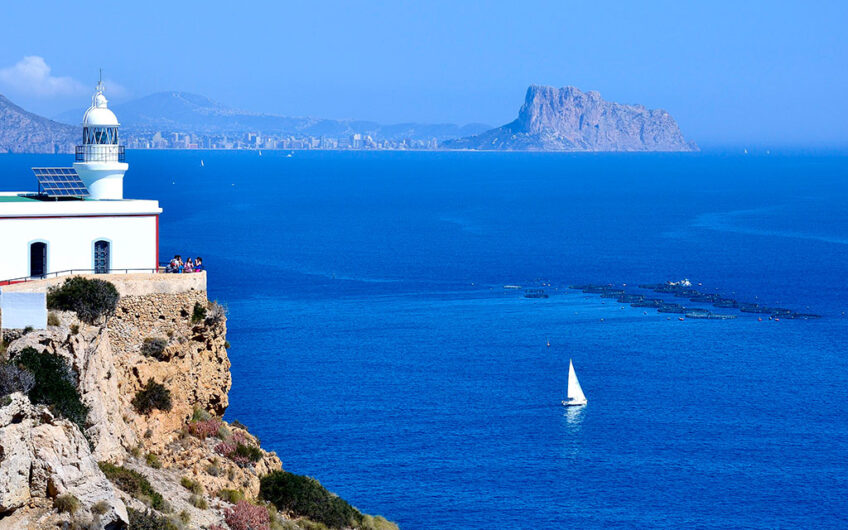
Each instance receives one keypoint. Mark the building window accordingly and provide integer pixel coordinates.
(38, 259)
(102, 257)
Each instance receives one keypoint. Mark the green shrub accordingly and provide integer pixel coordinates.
(250, 452)
(231, 496)
(100, 508)
(135, 484)
(55, 384)
(191, 485)
(74, 329)
(28, 329)
(377, 523)
(198, 502)
(66, 503)
(53, 319)
(89, 299)
(239, 425)
(199, 414)
(306, 497)
(213, 470)
(153, 461)
(153, 347)
(152, 396)
(185, 517)
(198, 313)
(149, 521)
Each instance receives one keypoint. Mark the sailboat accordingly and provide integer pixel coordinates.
(574, 395)
(201, 162)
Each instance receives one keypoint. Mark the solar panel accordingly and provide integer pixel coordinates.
(60, 182)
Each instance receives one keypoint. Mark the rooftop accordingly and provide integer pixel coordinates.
(17, 198)
(28, 205)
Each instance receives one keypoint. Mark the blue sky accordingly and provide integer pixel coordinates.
(730, 72)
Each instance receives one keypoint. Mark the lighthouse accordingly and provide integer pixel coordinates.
(78, 220)
(100, 160)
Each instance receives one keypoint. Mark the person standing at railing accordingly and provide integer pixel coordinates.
(198, 264)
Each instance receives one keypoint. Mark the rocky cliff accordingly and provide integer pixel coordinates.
(185, 452)
(25, 132)
(567, 119)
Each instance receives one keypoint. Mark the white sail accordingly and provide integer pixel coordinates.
(574, 394)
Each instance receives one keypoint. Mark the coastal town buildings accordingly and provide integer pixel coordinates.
(77, 217)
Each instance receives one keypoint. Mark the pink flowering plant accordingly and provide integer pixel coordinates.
(239, 449)
(247, 516)
(203, 428)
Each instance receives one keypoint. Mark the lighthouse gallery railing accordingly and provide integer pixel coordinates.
(100, 153)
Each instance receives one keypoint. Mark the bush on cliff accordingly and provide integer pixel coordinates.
(55, 384)
(306, 497)
(135, 484)
(89, 299)
(198, 313)
(247, 516)
(152, 396)
(154, 347)
(14, 379)
(149, 521)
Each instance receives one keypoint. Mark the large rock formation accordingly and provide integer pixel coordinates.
(43, 457)
(567, 119)
(25, 132)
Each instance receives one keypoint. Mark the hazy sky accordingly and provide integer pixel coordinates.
(730, 72)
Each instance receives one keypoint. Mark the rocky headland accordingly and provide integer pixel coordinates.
(24, 132)
(115, 422)
(567, 119)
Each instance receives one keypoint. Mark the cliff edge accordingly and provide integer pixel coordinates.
(567, 119)
(117, 423)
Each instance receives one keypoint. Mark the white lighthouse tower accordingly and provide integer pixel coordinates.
(100, 160)
(78, 220)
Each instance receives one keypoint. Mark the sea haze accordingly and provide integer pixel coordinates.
(375, 348)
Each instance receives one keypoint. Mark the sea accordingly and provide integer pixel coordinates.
(375, 347)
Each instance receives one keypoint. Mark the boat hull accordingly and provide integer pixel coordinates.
(573, 403)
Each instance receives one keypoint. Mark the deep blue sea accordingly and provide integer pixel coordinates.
(375, 348)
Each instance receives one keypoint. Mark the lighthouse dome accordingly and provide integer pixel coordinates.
(99, 115)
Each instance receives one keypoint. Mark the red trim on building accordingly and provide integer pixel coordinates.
(157, 244)
(80, 216)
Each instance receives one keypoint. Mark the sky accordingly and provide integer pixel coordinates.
(730, 72)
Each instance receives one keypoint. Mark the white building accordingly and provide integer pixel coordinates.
(78, 219)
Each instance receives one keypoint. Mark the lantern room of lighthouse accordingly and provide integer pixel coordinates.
(100, 160)
(78, 219)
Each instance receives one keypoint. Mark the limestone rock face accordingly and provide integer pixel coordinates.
(567, 119)
(42, 456)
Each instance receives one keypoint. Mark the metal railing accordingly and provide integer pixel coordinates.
(161, 269)
(100, 153)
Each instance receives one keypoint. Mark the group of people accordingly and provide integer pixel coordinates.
(177, 265)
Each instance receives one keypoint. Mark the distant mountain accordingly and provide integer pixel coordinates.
(184, 112)
(567, 119)
(25, 132)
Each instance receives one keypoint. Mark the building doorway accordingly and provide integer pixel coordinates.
(101, 257)
(38, 259)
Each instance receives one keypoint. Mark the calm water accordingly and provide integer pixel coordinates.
(374, 346)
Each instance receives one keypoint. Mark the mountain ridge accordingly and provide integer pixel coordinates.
(22, 131)
(568, 119)
(171, 111)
